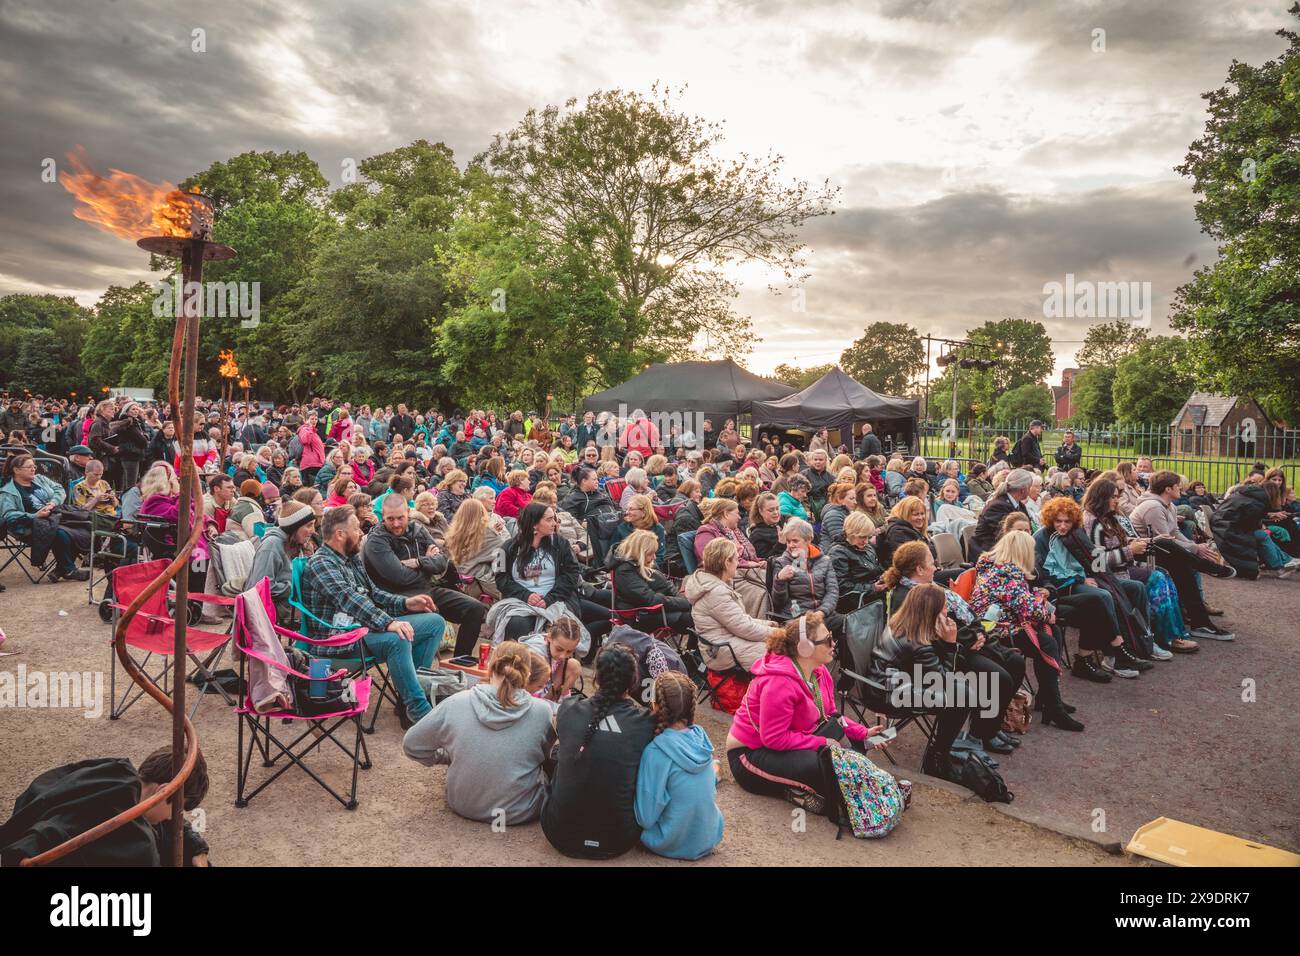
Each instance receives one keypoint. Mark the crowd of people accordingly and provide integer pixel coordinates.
(539, 537)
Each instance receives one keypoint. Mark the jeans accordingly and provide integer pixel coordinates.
(1273, 556)
(401, 657)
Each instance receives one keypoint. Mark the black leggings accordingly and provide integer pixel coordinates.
(594, 617)
(1048, 677)
(770, 773)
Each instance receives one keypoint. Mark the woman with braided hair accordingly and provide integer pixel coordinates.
(676, 787)
(589, 811)
(495, 738)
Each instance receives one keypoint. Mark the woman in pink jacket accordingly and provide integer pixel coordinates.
(788, 717)
(313, 451)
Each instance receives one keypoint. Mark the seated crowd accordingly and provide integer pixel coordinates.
(758, 560)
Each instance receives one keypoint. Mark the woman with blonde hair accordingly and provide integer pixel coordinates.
(1128, 486)
(734, 636)
(639, 515)
(474, 541)
(638, 583)
(494, 738)
(452, 493)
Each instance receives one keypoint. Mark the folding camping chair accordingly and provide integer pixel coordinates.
(967, 543)
(153, 632)
(359, 666)
(18, 552)
(615, 488)
(629, 616)
(860, 694)
(255, 610)
(110, 547)
(695, 656)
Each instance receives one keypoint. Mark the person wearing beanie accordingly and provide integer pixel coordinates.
(270, 502)
(246, 513)
(291, 537)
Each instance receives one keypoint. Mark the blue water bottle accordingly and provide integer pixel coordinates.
(319, 672)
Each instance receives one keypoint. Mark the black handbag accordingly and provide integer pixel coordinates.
(973, 771)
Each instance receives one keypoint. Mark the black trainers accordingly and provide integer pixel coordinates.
(1088, 668)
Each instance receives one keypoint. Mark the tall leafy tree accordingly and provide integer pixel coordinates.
(1152, 383)
(887, 357)
(22, 313)
(377, 281)
(1024, 403)
(637, 188)
(1021, 351)
(1093, 402)
(1108, 342)
(1242, 313)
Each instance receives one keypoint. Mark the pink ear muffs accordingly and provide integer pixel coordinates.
(805, 647)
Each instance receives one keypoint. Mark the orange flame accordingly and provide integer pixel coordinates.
(243, 382)
(229, 368)
(123, 203)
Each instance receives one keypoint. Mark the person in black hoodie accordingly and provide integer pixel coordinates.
(590, 809)
(638, 584)
(1235, 523)
(586, 498)
(1029, 450)
(540, 569)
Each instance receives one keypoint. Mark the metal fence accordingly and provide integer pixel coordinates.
(1106, 446)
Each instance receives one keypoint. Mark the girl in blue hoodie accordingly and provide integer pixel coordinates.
(678, 779)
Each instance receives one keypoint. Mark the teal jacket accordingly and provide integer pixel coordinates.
(11, 500)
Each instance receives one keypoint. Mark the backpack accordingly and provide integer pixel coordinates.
(871, 801)
(294, 451)
(972, 770)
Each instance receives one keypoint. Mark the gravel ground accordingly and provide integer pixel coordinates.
(1177, 742)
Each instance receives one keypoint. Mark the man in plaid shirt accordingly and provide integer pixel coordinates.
(403, 631)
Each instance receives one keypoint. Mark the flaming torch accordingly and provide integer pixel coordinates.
(229, 371)
(178, 225)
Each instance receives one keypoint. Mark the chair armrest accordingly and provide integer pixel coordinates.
(874, 685)
(213, 599)
(338, 640)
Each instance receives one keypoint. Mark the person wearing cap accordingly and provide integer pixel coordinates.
(78, 456)
(291, 537)
(1029, 450)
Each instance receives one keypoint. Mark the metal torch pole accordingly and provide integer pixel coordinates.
(192, 269)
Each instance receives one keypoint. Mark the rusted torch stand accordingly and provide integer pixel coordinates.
(193, 251)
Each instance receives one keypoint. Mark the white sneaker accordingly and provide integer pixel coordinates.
(1108, 665)
(1289, 568)
(1158, 653)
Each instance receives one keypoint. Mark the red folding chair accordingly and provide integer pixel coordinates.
(153, 631)
(630, 615)
(318, 728)
(614, 488)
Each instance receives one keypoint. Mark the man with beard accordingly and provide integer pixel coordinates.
(403, 632)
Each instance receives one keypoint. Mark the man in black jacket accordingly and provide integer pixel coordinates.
(1010, 498)
(870, 443)
(585, 432)
(1029, 451)
(1068, 453)
(401, 423)
(400, 557)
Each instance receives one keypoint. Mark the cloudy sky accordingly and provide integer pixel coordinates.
(983, 148)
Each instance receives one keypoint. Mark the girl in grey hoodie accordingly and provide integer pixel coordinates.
(494, 737)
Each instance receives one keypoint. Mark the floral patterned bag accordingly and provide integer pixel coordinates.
(873, 801)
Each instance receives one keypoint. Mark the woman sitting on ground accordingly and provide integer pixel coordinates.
(857, 569)
(474, 541)
(590, 811)
(723, 521)
(639, 584)
(558, 647)
(494, 738)
(1027, 617)
(719, 615)
(788, 716)
(802, 578)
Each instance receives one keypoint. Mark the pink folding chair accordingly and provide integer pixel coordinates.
(153, 632)
(318, 727)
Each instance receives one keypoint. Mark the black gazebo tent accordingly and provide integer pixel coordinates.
(715, 390)
(836, 401)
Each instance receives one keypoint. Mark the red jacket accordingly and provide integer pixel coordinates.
(512, 501)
